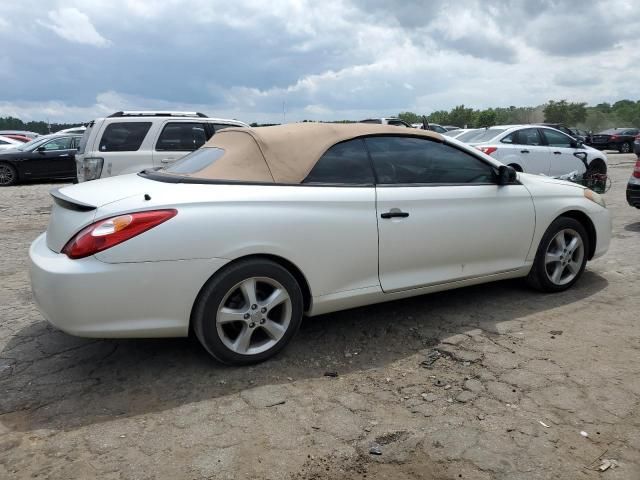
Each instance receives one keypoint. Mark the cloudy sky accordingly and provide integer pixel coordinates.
(73, 60)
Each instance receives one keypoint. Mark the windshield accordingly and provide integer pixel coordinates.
(33, 143)
(453, 133)
(480, 135)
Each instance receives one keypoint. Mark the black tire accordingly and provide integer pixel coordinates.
(8, 175)
(516, 167)
(220, 285)
(597, 166)
(625, 147)
(538, 277)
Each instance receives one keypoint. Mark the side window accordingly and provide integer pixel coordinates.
(344, 163)
(405, 160)
(63, 143)
(181, 136)
(511, 138)
(557, 139)
(123, 136)
(529, 136)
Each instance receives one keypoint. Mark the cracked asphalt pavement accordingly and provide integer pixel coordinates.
(488, 382)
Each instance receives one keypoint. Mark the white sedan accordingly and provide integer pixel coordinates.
(240, 239)
(537, 149)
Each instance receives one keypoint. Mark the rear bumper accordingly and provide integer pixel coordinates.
(633, 192)
(90, 298)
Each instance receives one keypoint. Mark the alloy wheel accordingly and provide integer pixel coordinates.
(564, 256)
(7, 175)
(254, 315)
(625, 147)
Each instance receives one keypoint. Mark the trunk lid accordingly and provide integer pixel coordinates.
(76, 206)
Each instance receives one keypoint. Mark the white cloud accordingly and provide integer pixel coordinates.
(342, 59)
(74, 26)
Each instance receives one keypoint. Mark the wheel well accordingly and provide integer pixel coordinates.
(588, 226)
(516, 167)
(283, 262)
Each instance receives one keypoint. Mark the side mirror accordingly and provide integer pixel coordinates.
(40, 149)
(576, 144)
(506, 175)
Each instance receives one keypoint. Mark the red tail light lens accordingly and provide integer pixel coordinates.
(109, 232)
(487, 150)
(613, 137)
(636, 170)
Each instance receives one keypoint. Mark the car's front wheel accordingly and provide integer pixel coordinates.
(248, 312)
(561, 256)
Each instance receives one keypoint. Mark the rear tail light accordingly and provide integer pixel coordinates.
(636, 170)
(90, 169)
(613, 137)
(111, 231)
(487, 150)
(638, 138)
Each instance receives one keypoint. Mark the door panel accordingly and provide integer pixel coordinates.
(451, 232)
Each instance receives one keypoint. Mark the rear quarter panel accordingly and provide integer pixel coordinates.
(329, 233)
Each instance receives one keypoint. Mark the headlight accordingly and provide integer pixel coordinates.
(594, 197)
(90, 169)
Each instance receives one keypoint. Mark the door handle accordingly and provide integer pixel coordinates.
(394, 214)
(557, 153)
(167, 160)
(524, 151)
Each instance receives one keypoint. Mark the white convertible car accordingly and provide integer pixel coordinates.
(240, 239)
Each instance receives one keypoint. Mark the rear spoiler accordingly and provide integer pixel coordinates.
(70, 203)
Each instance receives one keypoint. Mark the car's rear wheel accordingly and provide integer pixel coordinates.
(561, 256)
(8, 175)
(248, 312)
(625, 147)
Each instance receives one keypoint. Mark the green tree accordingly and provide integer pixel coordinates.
(486, 118)
(439, 116)
(565, 112)
(410, 117)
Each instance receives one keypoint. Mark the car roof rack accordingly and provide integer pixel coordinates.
(151, 113)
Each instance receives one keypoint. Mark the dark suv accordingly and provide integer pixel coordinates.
(620, 139)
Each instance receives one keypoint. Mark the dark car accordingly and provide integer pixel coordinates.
(633, 187)
(46, 157)
(636, 145)
(582, 135)
(561, 127)
(620, 139)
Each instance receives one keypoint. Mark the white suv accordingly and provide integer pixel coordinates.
(536, 149)
(128, 142)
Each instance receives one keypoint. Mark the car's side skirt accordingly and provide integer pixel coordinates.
(372, 295)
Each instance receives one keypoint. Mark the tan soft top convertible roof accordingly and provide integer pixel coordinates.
(286, 153)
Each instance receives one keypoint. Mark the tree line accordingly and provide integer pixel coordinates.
(623, 113)
(41, 127)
